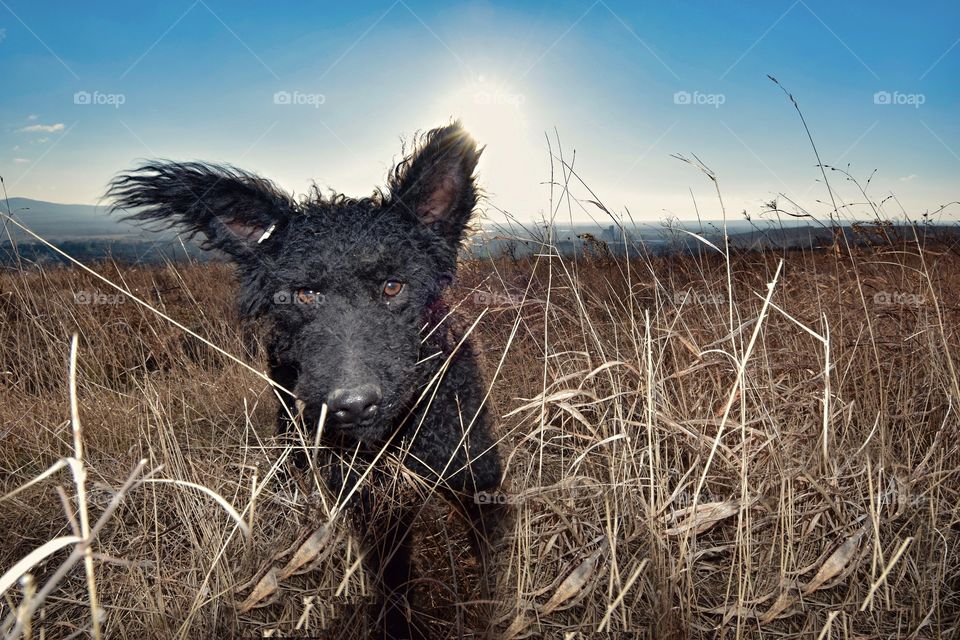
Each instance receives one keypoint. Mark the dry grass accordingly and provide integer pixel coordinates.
(665, 454)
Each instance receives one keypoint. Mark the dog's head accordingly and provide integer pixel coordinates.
(348, 284)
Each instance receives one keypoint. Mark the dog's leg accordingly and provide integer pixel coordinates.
(286, 377)
(389, 556)
(487, 521)
(453, 446)
(487, 516)
(383, 521)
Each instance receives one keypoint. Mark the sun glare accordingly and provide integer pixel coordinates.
(497, 116)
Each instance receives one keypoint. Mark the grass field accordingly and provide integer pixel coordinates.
(757, 445)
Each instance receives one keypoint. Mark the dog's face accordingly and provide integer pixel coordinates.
(350, 286)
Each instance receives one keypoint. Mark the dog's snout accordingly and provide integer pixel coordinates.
(356, 405)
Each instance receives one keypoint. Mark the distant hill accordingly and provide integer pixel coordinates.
(88, 233)
(58, 222)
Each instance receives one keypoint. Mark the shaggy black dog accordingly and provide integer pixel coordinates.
(352, 292)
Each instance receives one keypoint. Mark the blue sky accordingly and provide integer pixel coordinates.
(325, 91)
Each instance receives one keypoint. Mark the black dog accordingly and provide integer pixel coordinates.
(352, 290)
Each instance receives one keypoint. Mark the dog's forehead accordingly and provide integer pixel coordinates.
(365, 244)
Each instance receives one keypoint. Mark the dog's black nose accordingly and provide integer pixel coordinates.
(350, 406)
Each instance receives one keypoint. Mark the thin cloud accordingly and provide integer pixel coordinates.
(45, 128)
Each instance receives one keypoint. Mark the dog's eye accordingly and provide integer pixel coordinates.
(307, 296)
(392, 288)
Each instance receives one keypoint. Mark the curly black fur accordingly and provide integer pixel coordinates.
(316, 271)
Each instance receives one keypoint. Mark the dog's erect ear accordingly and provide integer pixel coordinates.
(435, 182)
(236, 211)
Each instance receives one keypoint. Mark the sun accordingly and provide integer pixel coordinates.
(498, 117)
(493, 112)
